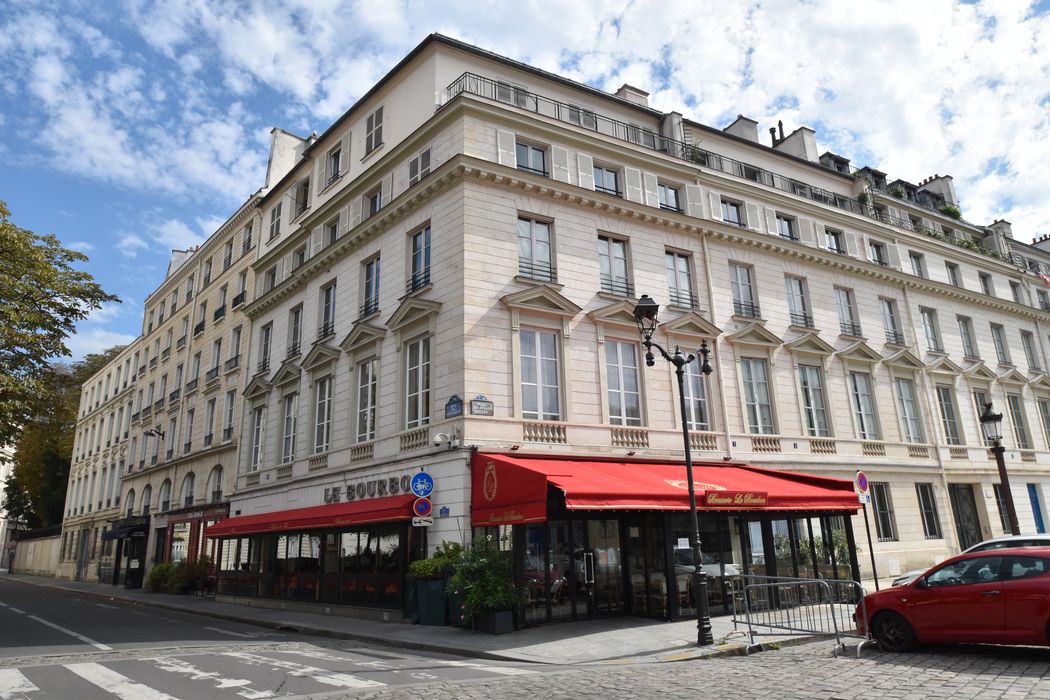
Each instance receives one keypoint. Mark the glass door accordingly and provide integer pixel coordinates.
(601, 567)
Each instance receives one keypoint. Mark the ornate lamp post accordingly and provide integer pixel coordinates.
(645, 313)
(992, 426)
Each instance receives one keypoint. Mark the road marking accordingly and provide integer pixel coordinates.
(113, 682)
(3, 605)
(14, 609)
(14, 685)
(242, 635)
(71, 633)
(341, 680)
(501, 670)
(103, 605)
(187, 669)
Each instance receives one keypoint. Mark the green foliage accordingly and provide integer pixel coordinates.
(448, 554)
(949, 210)
(897, 192)
(44, 296)
(185, 574)
(862, 197)
(159, 578)
(839, 543)
(18, 505)
(967, 243)
(484, 580)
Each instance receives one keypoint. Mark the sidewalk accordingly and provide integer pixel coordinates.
(618, 640)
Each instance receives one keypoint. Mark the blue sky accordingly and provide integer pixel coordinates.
(128, 127)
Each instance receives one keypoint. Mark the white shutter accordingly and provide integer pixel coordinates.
(851, 243)
(280, 269)
(388, 189)
(355, 211)
(316, 240)
(344, 219)
(585, 168)
(289, 206)
(694, 201)
(652, 196)
(754, 217)
(894, 255)
(771, 221)
(633, 182)
(716, 206)
(560, 164)
(821, 236)
(506, 143)
(344, 156)
(894, 212)
(806, 233)
(318, 183)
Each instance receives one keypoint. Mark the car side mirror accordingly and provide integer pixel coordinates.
(921, 583)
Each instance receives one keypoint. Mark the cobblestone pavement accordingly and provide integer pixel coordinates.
(805, 671)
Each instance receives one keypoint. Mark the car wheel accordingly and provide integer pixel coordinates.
(892, 632)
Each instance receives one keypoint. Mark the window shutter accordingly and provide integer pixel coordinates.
(585, 167)
(754, 217)
(893, 255)
(806, 233)
(819, 235)
(633, 184)
(316, 240)
(344, 155)
(716, 206)
(771, 221)
(289, 206)
(652, 197)
(694, 201)
(560, 164)
(355, 211)
(319, 180)
(851, 243)
(344, 218)
(387, 189)
(505, 143)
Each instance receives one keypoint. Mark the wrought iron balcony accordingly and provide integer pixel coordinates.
(328, 328)
(294, 349)
(747, 309)
(207, 439)
(180, 343)
(263, 366)
(849, 328)
(537, 270)
(417, 281)
(219, 313)
(802, 319)
(238, 299)
(191, 385)
(619, 286)
(684, 299)
(370, 307)
(199, 328)
(211, 375)
(895, 337)
(232, 363)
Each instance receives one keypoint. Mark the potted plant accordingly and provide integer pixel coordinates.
(429, 582)
(949, 210)
(484, 580)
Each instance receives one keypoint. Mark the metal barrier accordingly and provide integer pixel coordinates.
(782, 606)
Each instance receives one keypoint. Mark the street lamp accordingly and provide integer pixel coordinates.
(992, 426)
(645, 316)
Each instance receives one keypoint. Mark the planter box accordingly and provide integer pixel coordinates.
(500, 622)
(431, 600)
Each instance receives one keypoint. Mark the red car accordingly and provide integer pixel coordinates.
(997, 597)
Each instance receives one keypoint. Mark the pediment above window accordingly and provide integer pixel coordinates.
(811, 344)
(860, 352)
(1013, 377)
(943, 365)
(691, 324)
(905, 360)
(1040, 382)
(541, 299)
(363, 335)
(259, 386)
(980, 372)
(619, 315)
(412, 310)
(755, 334)
(288, 372)
(320, 354)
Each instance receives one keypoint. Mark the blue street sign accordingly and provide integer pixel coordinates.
(422, 484)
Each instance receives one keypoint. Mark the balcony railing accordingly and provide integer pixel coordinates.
(534, 171)
(417, 281)
(238, 299)
(746, 309)
(165, 506)
(802, 319)
(216, 496)
(158, 405)
(187, 446)
(219, 313)
(294, 349)
(227, 433)
(895, 337)
(211, 375)
(165, 353)
(199, 328)
(685, 299)
(617, 285)
(934, 346)
(537, 270)
(180, 343)
(169, 453)
(153, 362)
(147, 411)
(232, 363)
(849, 328)
(263, 366)
(207, 439)
(191, 385)
(369, 307)
(135, 416)
(328, 327)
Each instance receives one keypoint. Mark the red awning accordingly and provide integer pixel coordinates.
(372, 510)
(508, 489)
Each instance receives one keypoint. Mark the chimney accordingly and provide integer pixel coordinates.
(773, 135)
(633, 94)
(780, 125)
(802, 143)
(744, 128)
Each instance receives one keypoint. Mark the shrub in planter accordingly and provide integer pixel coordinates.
(429, 584)
(484, 581)
(159, 577)
(897, 192)
(949, 210)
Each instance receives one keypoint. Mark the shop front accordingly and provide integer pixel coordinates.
(184, 538)
(354, 553)
(129, 559)
(598, 537)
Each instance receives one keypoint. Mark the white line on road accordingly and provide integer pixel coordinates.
(243, 635)
(14, 609)
(502, 670)
(3, 605)
(71, 633)
(187, 669)
(103, 605)
(341, 680)
(113, 682)
(14, 685)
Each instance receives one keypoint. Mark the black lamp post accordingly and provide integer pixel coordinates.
(992, 426)
(645, 316)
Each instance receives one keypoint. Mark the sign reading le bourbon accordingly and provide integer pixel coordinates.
(736, 499)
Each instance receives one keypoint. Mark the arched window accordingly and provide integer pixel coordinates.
(165, 495)
(187, 489)
(147, 497)
(215, 484)
(130, 502)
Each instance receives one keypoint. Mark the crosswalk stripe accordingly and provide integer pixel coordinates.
(501, 670)
(341, 680)
(113, 682)
(13, 684)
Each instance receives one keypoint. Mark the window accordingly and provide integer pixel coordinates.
(295, 330)
(931, 524)
(932, 330)
(302, 196)
(890, 322)
(1019, 421)
(668, 197)
(419, 167)
(327, 311)
(187, 443)
(270, 279)
(756, 396)
(258, 424)
(742, 290)
(1004, 518)
(864, 406)
(698, 416)
(798, 306)
(1015, 292)
(946, 404)
(1030, 356)
(582, 117)
(847, 315)
(209, 421)
(227, 423)
(532, 159)
(621, 373)
(291, 412)
(333, 164)
(417, 383)
(367, 392)
(1044, 418)
(1044, 300)
(370, 296)
(246, 239)
(885, 523)
(373, 202)
(812, 385)
(420, 273)
(1002, 353)
(954, 276)
(786, 227)
(216, 354)
(298, 257)
(986, 283)
(679, 279)
(607, 180)
(374, 131)
(275, 220)
(911, 426)
(833, 240)
(918, 263)
(877, 253)
(612, 262)
(966, 334)
(980, 398)
(540, 375)
(732, 212)
(265, 341)
(534, 250)
(322, 414)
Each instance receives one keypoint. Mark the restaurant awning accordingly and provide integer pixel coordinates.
(332, 515)
(509, 489)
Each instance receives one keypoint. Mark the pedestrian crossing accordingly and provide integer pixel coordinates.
(243, 672)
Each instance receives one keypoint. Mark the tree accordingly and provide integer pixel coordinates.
(44, 296)
(17, 503)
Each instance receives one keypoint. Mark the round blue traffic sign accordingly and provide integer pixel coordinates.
(862, 482)
(422, 507)
(422, 484)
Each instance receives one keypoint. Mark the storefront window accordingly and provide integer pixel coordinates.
(180, 540)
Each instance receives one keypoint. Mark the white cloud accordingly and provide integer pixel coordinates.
(130, 244)
(82, 246)
(87, 341)
(175, 235)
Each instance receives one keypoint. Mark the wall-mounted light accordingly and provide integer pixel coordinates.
(154, 432)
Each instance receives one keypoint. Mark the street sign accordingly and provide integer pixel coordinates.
(422, 484)
(422, 507)
(862, 482)
(864, 498)
(422, 522)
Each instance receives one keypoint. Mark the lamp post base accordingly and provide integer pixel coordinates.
(704, 636)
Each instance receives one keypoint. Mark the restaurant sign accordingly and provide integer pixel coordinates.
(736, 499)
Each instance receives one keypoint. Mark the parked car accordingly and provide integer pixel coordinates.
(994, 543)
(683, 564)
(994, 596)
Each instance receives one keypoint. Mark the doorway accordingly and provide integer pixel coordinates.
(967, 522)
